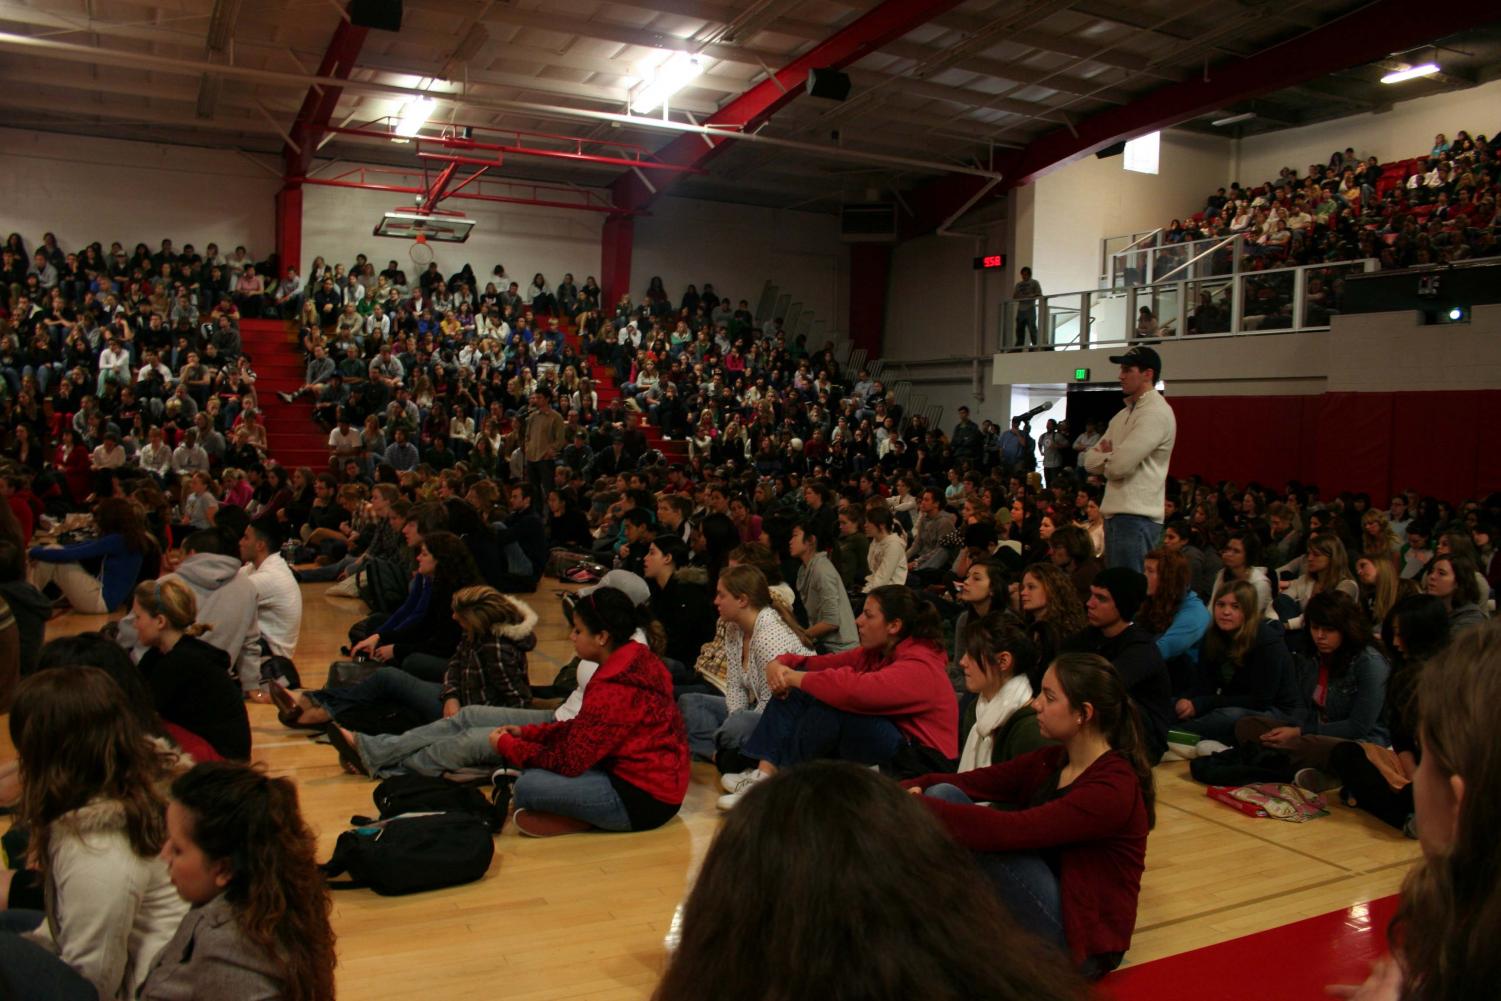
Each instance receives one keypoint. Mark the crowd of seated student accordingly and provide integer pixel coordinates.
(1432, 208)
(865, 673)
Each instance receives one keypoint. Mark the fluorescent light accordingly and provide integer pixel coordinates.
(1244, 116)
(1411, 73)
(414, 115)
(666, 80)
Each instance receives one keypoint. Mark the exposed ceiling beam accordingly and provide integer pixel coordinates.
(221, 29)
(321, 100)
(888, 20)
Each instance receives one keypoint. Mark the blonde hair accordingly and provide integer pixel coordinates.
(173, 601)
(745, 580)
(482, 610)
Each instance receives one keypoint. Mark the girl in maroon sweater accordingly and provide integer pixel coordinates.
(621, 764)
(1068, 843)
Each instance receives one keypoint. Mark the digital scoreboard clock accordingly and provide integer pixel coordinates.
(990, 262)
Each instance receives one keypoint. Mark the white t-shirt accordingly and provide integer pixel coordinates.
(278, 603)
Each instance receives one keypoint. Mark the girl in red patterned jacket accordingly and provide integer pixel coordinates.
(1068, 842)
(621, 764)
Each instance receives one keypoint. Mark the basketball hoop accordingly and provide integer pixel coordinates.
(421, 253)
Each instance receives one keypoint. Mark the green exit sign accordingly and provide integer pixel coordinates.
(1081, 375)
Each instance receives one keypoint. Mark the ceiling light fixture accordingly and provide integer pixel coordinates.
(669, 78)
(414, 115)
(1411, 73)
(1244, 116)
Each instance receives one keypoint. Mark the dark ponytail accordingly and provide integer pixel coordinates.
(1088, 677)
(919, 618)
(608, 610)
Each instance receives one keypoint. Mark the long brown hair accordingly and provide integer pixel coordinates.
(1064, 610)
(1220, 648)
(748, 582)
(1088, 677)
(1446, 925)
(77, 743)
(1338, 570)
(240, 815)
(1173, 580)
(857, 885)
(122, 515)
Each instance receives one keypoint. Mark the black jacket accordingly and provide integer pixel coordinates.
(686, 611)
(192, 687)
(1134, 654)
(1266, 679)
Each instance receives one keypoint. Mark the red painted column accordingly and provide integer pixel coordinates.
(616, 240)
(289, 229)
(870, 279)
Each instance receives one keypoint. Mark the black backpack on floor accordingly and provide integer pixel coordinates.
(412, 853)
(425, 793)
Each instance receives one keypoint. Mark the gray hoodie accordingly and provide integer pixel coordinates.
(227, 603)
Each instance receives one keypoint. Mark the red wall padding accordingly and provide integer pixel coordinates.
(1438, 443)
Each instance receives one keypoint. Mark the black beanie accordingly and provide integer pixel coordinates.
(1127, 588)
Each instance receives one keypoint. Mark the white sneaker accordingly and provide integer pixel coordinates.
(729, 799)
(735, 781)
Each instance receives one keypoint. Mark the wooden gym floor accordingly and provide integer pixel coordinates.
(584, 916)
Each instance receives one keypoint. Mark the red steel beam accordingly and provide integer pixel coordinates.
(434, 193)
(452, 143)
(318, 106)
(307, 131)
(412, 189)
(1370, 33)
(880, 26)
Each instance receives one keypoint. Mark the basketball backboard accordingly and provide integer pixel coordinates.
(435, 228)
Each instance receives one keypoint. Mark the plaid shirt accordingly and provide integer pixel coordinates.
(490, 672)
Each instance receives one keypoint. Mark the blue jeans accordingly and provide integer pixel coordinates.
(445, 745)
(387, 684)
(800, 728)
(1128, 539)
(589, 797)
(323, 574)
(712, 727)
(1219, 724)
(1024, 882)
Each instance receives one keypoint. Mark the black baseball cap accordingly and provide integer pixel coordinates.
(1140, 357)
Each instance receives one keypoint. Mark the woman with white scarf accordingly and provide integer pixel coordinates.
(997, 721)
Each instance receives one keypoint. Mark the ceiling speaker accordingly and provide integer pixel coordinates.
(382, 15)
(829, 83)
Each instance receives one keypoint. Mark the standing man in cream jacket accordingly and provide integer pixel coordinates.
(1133, 457)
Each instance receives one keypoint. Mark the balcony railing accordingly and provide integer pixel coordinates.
(1274, 300)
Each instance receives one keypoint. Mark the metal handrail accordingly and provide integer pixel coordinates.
(1132, 245)
(1198, 257)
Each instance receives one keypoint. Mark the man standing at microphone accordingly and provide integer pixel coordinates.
(1133, 457)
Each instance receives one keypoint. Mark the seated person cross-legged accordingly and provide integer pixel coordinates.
(621, 764)
(759, 630)
(488, 668)
(1064, 839)
(888, 702)
(1347, 692)
(461, 743)
(1244, 669)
